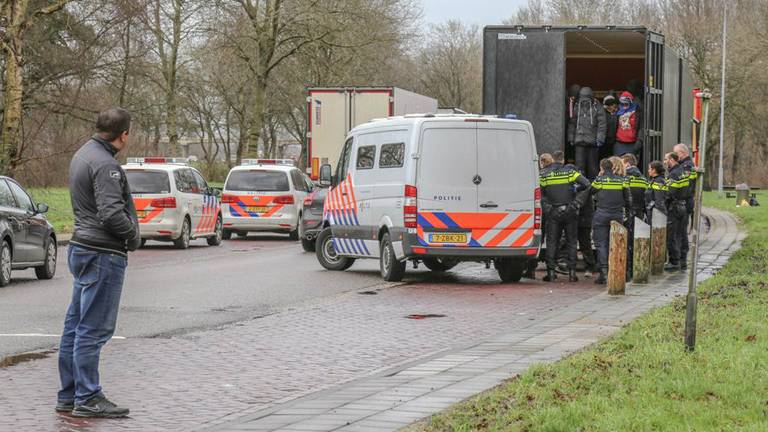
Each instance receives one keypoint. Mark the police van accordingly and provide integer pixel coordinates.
(264, 195)
(173, 201)
(434, 189)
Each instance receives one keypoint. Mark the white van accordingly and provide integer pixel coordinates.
(437, 190)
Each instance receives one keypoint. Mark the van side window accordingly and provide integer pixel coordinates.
(391, 155)
(298, 181)
(341, 168)
(365, 157)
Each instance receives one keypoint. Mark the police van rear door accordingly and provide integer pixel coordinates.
(505, 194)
(445, 182)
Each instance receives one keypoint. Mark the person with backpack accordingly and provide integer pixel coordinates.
(586, 131)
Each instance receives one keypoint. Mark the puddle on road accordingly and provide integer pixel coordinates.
(424, 316)
(13, 360)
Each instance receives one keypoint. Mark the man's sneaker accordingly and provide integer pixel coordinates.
(587, 274)
(99, 406)
(65, 406)
(672, 267)
(601, 279)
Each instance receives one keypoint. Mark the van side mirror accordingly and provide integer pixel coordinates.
(42, 208)
(325, 175)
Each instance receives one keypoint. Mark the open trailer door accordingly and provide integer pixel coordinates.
(653, 105)
(524, 75)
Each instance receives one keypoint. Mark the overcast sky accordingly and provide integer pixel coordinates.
(481, 12)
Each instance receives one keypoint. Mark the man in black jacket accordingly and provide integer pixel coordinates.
(559, 185)
(679, 184)
(638, 184)
(106, 228)
(656, 194)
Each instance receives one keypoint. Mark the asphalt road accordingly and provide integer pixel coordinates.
(169, 291)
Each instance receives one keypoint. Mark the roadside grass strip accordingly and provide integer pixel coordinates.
(60, 207)
(641, 379)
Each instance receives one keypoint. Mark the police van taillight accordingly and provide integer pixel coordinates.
(537, 208)
(410, 209)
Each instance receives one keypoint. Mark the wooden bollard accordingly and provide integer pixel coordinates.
(641, 257)
(617, 259)
(658, 242)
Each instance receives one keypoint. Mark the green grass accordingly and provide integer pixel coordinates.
(641, 379)
(60, 212)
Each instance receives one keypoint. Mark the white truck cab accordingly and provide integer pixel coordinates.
(435, 189)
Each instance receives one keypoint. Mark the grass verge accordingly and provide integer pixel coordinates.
(641, 379)
(60, 207)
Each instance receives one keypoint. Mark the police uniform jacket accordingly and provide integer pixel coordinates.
(689, 169)
(612, 195)
(559, 184)
(656, 195)
(679, 184)
(637, 187)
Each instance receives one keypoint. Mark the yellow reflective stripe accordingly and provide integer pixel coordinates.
(574, 176)
(679, 184)
(638, 184)
(557, 181)
(612, 186)
(659, 187)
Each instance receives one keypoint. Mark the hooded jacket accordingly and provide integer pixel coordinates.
(105, 216)
(587, 126)
(628, 117)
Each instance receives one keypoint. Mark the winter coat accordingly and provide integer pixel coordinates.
(588, 125)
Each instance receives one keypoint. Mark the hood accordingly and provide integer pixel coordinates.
(573, 91)
(585, 93)
(626, 98)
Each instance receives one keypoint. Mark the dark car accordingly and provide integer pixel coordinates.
(312, 218)
(28, 239)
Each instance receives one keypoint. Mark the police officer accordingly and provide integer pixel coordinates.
(689, 169)
(678, 184)
(559, 185)
(613, 202)
(656, 194)
(638, 184)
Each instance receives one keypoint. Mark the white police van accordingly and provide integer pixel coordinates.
(434, 189)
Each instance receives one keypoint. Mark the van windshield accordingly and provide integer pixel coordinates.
(258, 181)
(148, 182)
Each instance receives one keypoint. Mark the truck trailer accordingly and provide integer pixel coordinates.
(528, 69)
(334, 111)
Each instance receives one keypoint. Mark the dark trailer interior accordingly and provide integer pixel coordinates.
(527, 71)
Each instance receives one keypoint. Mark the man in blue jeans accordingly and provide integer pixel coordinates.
(106, 228)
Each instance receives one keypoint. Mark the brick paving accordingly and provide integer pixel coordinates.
(351, 361)
(400, 396)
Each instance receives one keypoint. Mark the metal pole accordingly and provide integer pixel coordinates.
(691, 300)
(722, 105)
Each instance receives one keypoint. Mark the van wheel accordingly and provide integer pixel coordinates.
(183, 241)
(6, 263)
(218, 235)
(226, 234)
(440, 264)
(392, 270)
(294, 234)
(48, 270)
(326, 253)
(509, 270)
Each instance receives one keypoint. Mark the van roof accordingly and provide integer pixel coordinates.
(413, 119)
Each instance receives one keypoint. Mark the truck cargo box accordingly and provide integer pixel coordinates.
(527, 71)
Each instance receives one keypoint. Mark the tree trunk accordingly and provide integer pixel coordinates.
(254, 135)
(617, 259)
(658, 242)
(172, 122)
(14, 86)
(641, 258)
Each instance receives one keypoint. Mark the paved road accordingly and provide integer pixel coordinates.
(169, 291)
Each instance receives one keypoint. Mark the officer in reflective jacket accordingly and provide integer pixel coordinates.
(638, 184)
(656, 194)
(613, 202)
(689, 169)
(559, 186)
(679, 190)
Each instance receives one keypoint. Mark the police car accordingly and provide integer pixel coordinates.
(264, 195)
(437, 190)
(173, 201)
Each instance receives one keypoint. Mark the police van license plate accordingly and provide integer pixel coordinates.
(257, 209)
(141, 214)
(452, 238)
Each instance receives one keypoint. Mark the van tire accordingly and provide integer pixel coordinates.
(440, 264)
(48, 270)
(226, 235)
(218, 234)
(6, 263)
(308, 245)
(326, 254)
(510, 270)
(294, 234)
(392, 270)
